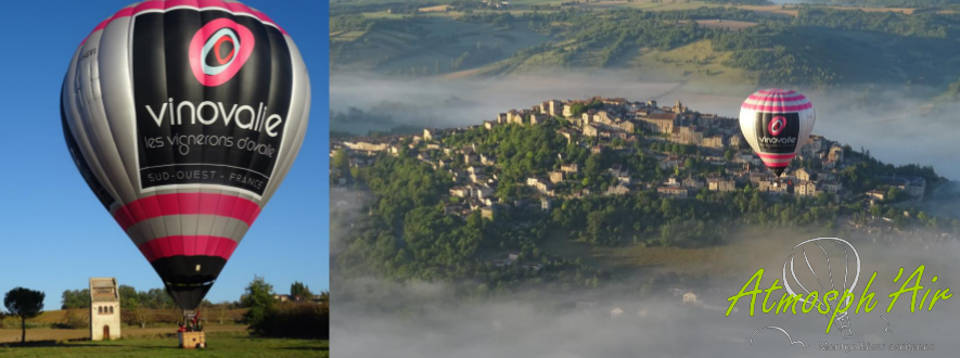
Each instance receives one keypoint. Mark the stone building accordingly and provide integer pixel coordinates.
(692, 183)
(569, 168)
(802, 175)
(555, 177)
(805, 188)
(673, 191)
(104, 309)
(618, 189)
(720, 184)
(660, 122)
(715, 142)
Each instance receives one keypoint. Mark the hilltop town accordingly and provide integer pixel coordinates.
(539, 193)
(710, 142)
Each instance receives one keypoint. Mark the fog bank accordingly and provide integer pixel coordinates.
(376, 318)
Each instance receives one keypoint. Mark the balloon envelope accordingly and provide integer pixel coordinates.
(776, 124)
(183, 117)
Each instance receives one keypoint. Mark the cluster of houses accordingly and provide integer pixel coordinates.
(607, 124)
(618, 118)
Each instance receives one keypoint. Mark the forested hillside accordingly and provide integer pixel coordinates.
(806, 45)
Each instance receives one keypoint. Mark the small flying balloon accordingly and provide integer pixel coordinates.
(777, 123)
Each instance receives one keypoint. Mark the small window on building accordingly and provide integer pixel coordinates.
(111, 309)
(100, 309)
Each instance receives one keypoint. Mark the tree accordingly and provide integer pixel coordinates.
(25, 303)
(128, 296)
(156, 298)
(577, 109)
(131, 303)
(76, 298)
(341, 164)
(135, 313)
(258, 298)
(299, 291)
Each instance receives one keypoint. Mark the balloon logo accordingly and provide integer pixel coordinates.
(215, 37)
(777, 124)
(819, 265)
(225, 34)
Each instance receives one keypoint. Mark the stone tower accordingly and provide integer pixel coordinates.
(104, 308)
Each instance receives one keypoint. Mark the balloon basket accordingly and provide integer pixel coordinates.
(191, 340)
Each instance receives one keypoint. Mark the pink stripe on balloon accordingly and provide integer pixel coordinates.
(186, 204)
(776, 91)
(798, 97)
(777, 109)
(776, 156)
(776, 164)
(188, 245)
(234, 7)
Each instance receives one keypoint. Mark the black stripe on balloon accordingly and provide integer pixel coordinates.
(188, 278)
(279, 85)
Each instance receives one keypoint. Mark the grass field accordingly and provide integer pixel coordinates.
(222, 341)
(697, 61)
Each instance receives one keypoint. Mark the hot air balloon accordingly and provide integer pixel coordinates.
(183, 117)
(777, 123)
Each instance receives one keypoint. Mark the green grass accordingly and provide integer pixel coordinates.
(697, 61)
(219, 344)
(668, 5)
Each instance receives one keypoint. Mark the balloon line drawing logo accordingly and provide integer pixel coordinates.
(231, 45)
(777, 125)
(819, 273)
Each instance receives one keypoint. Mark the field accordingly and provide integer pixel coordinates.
(427, 45)
(725, 24)
(696, 61)
(222, 341)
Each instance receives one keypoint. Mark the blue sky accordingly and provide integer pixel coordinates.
(54, 234)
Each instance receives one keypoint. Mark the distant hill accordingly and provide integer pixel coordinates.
(894, 3)
(805, 45)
